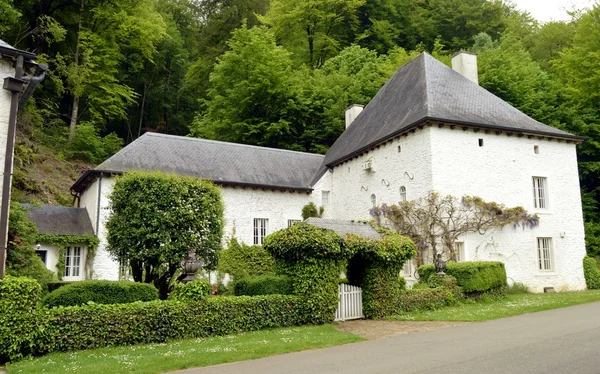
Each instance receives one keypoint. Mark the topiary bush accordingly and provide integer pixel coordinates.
(240, 260)
(193, 291)
(263, 285)
(426, 299)
(479, 276)
(591, 273)
(101, 292)
(19, 333)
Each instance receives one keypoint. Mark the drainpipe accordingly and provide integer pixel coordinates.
(15, 85)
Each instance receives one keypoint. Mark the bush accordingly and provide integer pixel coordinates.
(101, 292)
(18, 317)
(263, 285)
(193, 291)
(591, 273)
(471, 276)
(96, 325)
(88, 145)
(53, 286)
(240, 260)
(310, 210)
(303, 241)
(426, 299)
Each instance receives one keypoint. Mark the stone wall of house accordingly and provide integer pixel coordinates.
(502, 170)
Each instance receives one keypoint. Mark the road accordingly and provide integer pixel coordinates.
(563, 340)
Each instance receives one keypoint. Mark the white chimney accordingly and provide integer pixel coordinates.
(466, 64)
(352, 112)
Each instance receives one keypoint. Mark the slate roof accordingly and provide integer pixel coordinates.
(426, 89)
(8, 49)
(344, 227)
(60, 220)
(221, 162)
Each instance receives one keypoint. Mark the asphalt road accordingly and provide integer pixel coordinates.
(558, 341)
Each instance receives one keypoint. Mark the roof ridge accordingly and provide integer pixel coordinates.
(189, 138)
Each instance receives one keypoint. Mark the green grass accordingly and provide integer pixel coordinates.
(181, 354)
(511, 305)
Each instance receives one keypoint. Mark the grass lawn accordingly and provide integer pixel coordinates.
(181, 354)
(512, 305)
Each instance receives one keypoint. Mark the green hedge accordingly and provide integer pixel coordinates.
(479, 276)
(97, 325)
(53, 286)
(19, 331)
(101, 292)
(426, 299)
(193, 291)
(263, 285)
(591, 273)
(240, 260)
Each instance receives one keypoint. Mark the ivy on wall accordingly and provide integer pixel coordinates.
(63, 241)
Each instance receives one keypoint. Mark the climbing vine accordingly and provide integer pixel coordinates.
(63, 241)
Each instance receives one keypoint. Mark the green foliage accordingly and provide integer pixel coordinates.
(193, 291)
(303, 242)
(52, 286)
(100, 292)
(310, 210)
(63, 241)
(87, 144)
(158, 220)
(447, 281)
(479, 276)
(240, 260)
(263, 285)
(21, 260)
(516, 289)
(97, 325)
(426, 299)
(591, 273)
(18, 319)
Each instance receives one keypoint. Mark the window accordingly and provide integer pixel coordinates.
(540, 192)
(402, 193)
(73, 262)
(407, 269)
(536, 149)
(481, 142)
(545, 257)
(459, 249)
(374, 201)
(292, 222)
(43, 255)
(399, 148)
(325, 197)
(260, 230)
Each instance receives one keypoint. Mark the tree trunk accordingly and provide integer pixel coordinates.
(75, 110)
(144, 94)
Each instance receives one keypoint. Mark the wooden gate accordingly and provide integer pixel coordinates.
(350, 303)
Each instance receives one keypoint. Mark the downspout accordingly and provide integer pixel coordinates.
(33, 82)
(15, 85)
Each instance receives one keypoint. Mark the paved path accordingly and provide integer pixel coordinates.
(558, 341)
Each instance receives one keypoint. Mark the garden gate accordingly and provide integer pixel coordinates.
(350, 303)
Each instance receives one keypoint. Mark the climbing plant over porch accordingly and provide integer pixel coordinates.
(64, 241)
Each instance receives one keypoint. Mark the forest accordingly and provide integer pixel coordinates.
(279, 73)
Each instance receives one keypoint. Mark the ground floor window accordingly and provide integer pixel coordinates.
(260, 230)
(459, 249)
(292, 222)
(73, 262)
(407, 269)
(43, 256)
(545, 255)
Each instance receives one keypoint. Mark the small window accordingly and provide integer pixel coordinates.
(399, 148)
(545, 255)
(540, 192)
(402, 193)
(260, 230)
(348, 169)
(374, 201)
(73, 262)
(325, 197)
(459, 250)
(407, 269)
(292, 222)
(536, 149)
(481, 142)
(42, 255)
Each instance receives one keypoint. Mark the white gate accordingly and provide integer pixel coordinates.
(350, 303)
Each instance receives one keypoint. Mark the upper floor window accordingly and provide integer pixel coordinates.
(325, 197)
(374, 201)
(402, 193)
(260, 230)
(73, 262)
(540, 192)
(545, 255)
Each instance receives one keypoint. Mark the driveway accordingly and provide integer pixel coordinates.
(558, 341)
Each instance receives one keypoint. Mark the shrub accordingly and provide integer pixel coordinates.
(471, 276)
(591, 273)
(18, 317)
(52, 286)
(192, 291)
(517, 288)
(97, 325)
(310, 210)
(263, 285)
(426, 299)
(101, 292)
(240, 260)
(303, 241)
(447, 281)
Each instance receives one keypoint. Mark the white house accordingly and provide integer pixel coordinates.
(428, 128)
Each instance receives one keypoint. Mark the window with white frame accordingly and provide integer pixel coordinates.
(373, 201)
(325, 197)
(292, 222)
(402, 193)
(459, 249)
(260, 230)
(540, 192)
(545, 255)
(407, 269)
(73, 262)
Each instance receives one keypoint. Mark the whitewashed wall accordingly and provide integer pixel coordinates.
(89, 200)
(6, 70)
(51, 255)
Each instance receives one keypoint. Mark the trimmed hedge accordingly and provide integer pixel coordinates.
(479, 276)
(18, 322)
(263, 285)
(427, 299)
(240, 260)
(591, 273)
(97, 325)
(53, 286)
(101, 292)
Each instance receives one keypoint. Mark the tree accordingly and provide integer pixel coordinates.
(158, 219)
(434, 220)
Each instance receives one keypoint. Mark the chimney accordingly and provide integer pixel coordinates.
(466, 64)
(352, 112)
